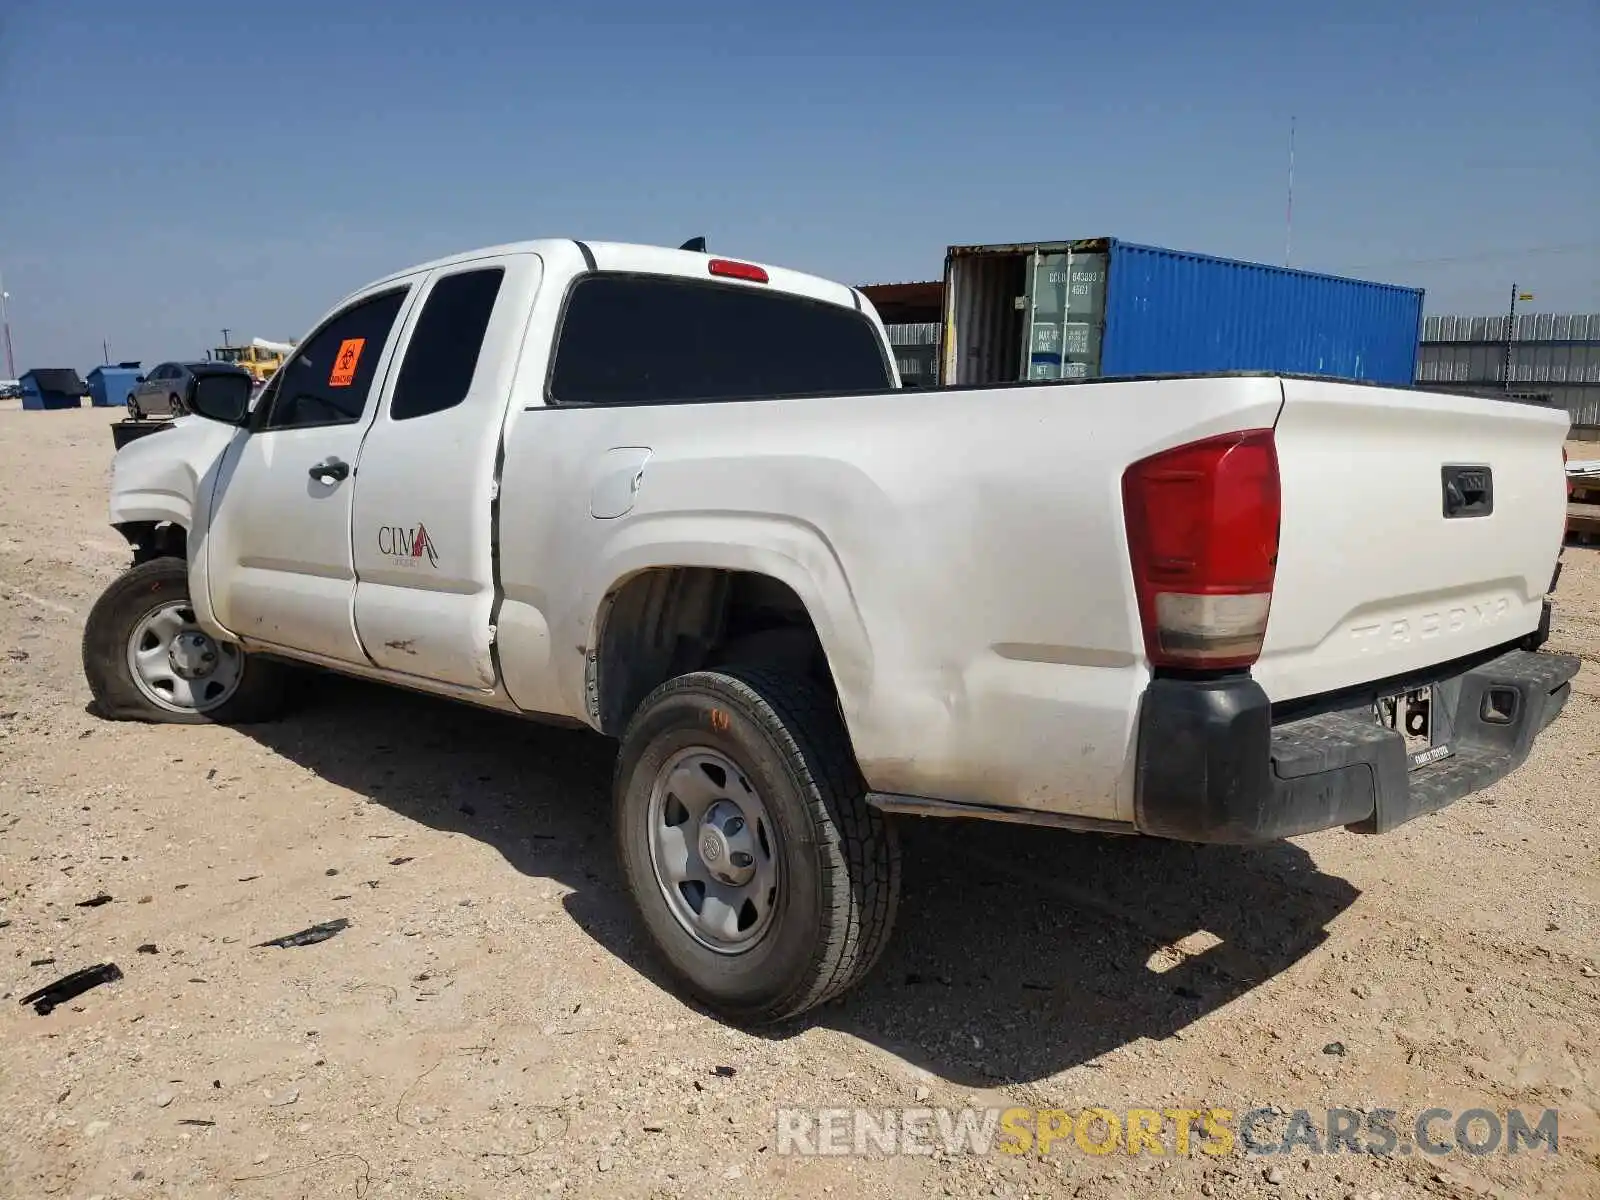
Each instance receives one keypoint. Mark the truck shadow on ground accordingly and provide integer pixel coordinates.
(1018, 952)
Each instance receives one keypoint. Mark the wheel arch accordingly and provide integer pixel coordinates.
(729, 602)
(152, 539)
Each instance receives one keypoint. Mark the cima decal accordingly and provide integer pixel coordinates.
(407, 545)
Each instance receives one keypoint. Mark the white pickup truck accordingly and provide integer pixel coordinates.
(680, 499)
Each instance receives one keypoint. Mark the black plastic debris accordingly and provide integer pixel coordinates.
(309, 937)
(94, 901)
(204, 1124)
(725, 1072)
(42, 962)
(148, 948)
(401, 861)
(69, 987)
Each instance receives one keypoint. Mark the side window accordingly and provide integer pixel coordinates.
(443, 353)
(327, 381)
(650, 339)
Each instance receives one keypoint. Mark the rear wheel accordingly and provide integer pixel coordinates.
(767, 883)
(175, 405)
(147, 659)
(133, 407)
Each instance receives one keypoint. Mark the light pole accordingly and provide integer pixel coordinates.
(5, 325)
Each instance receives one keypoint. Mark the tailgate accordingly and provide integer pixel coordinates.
(1373, 578)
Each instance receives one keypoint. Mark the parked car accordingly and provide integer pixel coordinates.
(161, 392)
(682, 500)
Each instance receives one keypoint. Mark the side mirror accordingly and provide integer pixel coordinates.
(138, 378)
(223, 397)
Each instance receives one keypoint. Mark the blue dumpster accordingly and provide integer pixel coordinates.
(109, 386)
(52, 387)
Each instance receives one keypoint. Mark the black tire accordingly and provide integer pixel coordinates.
(839, 859)
(175, 405)
(111, 624)
(133, 407)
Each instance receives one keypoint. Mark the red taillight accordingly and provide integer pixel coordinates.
(1203, 535)
(738, 270)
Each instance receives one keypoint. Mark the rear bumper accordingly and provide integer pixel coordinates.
(1213, 767)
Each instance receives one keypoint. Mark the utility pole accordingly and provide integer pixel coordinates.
(5, 324)
(1288, 220)
(1511, 326)
(225, 342)
(105, 352)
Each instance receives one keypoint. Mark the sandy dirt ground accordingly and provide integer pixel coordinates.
(490, 1024)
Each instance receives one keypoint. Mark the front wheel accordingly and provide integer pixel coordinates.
(767, 883)
(147, 659)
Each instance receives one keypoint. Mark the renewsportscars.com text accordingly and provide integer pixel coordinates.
(1181, 1132)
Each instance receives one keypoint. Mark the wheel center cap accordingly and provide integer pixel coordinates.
(727, 844)
(192, 656)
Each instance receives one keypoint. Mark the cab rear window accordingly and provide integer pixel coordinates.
(650, 339)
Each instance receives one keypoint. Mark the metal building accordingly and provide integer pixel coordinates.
(1555, 358)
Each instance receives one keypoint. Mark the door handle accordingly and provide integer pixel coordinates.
(330, 471)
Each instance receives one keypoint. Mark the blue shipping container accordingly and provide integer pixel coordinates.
(1102, 308)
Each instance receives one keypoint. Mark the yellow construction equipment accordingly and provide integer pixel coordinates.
(260, 357)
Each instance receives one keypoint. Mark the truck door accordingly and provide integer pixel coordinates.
(278, 550)
(423, 530)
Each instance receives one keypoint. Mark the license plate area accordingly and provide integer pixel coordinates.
(1411, 715)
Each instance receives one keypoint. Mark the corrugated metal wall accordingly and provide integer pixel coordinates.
(1531, 327)
(1553, 354)
(1173, 313)
(916, 353)
(1484, 362)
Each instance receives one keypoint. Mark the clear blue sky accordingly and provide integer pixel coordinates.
(171, 167)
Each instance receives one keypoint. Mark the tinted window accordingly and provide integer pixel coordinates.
(634, 339)
(327, 382)
(443, 352)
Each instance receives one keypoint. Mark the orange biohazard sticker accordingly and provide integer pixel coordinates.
(344, 363)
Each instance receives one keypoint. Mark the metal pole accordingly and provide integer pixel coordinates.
(225, 341)
(1288, 220)
(5, 324)
(105, 352)
(1511, 321)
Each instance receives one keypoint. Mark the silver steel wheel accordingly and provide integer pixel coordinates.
(179, 666)
(714, 850)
